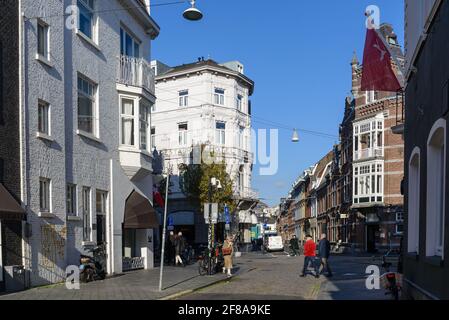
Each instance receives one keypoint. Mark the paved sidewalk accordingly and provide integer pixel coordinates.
(348, 282)
(137, 285)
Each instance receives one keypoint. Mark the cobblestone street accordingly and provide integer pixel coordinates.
(257, 276)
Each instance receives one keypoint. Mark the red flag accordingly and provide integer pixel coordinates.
(377, 73)
(157, 197)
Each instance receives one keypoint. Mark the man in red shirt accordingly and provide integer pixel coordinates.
(309, 256)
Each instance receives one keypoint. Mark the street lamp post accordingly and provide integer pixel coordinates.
(163, 233)
(214, 182)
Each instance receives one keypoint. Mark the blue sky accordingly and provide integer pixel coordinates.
(297, 52)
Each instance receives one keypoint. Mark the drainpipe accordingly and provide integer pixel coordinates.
(23, 138)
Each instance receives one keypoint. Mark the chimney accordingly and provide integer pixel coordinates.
(147, 5)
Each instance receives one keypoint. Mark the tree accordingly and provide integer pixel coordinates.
(195, 180)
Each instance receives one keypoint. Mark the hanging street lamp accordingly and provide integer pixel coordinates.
(193, 14)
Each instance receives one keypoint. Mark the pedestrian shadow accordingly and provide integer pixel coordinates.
(181, 282)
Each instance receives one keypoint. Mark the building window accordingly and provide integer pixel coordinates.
(43, 39)
(86, 214)
(239, 102)
(43, 125)
(414, 181)
(436, 163)
(241, 138)
(371, 96)
(129, 46)
(153, 137)
(220, 132)
(182, 134)
(144, 111)
(219, 96)
(127, 119)
(86, 18)
(184, 98)
(44, 195)
(71, 200)
(86, 105)
(101, 202)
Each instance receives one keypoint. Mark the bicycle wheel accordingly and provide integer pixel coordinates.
(202, 267)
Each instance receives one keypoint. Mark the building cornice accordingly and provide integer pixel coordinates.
(207, 68)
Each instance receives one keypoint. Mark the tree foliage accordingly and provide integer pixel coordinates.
(195, 180)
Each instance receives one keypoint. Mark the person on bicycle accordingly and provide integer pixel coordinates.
(228, 250)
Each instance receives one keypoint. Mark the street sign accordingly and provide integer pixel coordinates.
(213, 214)
(170, 228)
(227, 217)
(170, 221)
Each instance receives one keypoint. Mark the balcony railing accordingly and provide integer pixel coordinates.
(135, 72)
(369, 153)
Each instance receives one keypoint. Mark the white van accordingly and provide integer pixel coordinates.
(274, 243)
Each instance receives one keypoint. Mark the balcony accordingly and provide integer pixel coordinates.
(369, 153)
(135, 72)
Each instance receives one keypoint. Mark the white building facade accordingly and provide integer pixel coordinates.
(204, 103)
(87, 93)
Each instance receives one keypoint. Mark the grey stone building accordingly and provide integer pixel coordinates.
(11, 213)
(85, 96)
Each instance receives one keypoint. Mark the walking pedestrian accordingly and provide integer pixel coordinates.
(294, 245)
(324, 251)
(228, 250)
(171, 248)
(179, 249)
(309, 256)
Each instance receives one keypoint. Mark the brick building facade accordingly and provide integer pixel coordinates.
(378, 160)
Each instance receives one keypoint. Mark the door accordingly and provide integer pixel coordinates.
(371, 238)
(101, 229)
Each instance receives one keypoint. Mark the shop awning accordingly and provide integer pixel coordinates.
(139, 213)
(10, 209)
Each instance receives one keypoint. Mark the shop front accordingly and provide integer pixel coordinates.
(11, 217)
(139, 221)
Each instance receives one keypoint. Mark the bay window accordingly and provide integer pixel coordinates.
(127, 120)
(368, 183)
(144, 124)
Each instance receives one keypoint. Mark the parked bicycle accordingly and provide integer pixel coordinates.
(206, 263)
